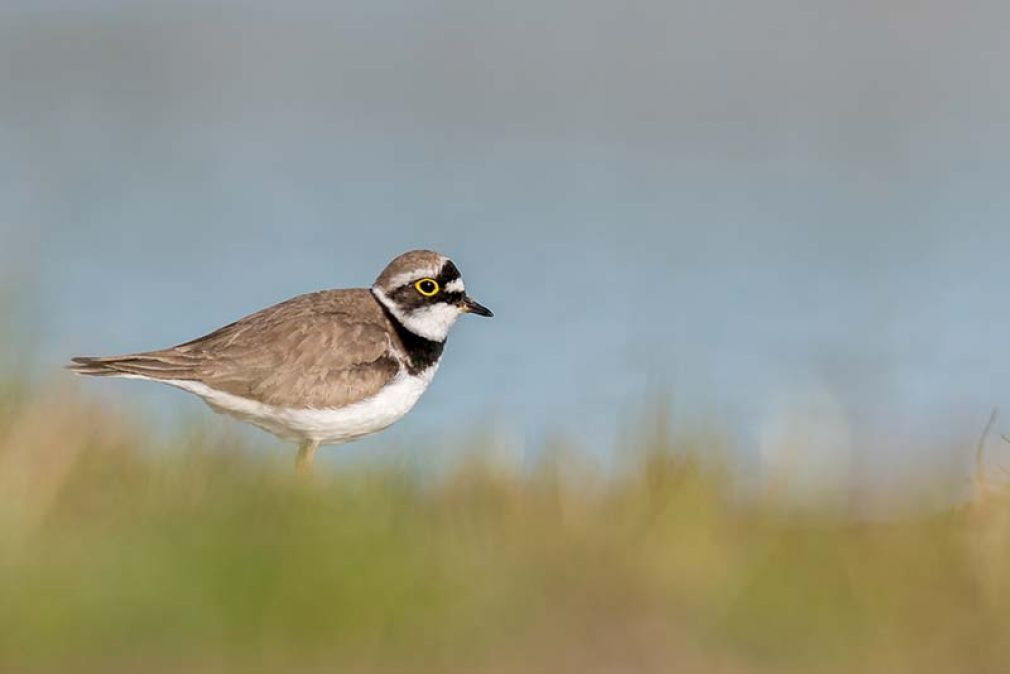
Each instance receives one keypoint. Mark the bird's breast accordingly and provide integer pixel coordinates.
(326, 425)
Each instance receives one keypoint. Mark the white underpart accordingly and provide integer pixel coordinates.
(431, 322)
(326, 426)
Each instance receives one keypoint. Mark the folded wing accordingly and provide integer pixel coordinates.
(323, 350)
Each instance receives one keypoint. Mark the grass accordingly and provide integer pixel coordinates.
(122, 552)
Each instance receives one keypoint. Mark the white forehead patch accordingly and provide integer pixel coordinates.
(455, 286)
(415, 274)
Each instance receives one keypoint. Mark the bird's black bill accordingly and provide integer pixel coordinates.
(472, 307)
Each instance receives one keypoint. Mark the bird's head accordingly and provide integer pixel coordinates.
(424, 291)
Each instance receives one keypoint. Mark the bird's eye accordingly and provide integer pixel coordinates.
(428, 287)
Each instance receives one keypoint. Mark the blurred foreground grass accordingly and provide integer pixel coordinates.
(121, 554)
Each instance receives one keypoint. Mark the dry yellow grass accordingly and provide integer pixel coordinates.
(122, 552)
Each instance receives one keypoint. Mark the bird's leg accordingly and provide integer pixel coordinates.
(306, 452)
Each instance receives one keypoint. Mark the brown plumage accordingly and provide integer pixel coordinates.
(322, 350)
(321, 368)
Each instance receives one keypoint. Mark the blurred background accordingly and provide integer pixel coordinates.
(729, 244)
(758, 208)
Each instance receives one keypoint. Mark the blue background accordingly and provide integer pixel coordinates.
(777, 212)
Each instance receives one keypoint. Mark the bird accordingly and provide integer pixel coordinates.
(322, 368)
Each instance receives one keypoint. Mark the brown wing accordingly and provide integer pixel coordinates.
(323, 350)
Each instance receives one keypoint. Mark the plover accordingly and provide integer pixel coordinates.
(322, 368)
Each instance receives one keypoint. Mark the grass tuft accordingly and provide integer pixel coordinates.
(120, 551)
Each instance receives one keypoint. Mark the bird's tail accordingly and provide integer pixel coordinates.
(152, 365)
(95, 367)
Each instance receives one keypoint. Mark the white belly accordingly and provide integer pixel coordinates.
(326, 426)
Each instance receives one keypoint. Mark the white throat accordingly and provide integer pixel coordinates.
(431, 322)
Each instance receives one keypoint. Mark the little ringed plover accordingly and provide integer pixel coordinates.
(322, 368)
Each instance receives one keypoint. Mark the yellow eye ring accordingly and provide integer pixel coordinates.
(428, 287)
